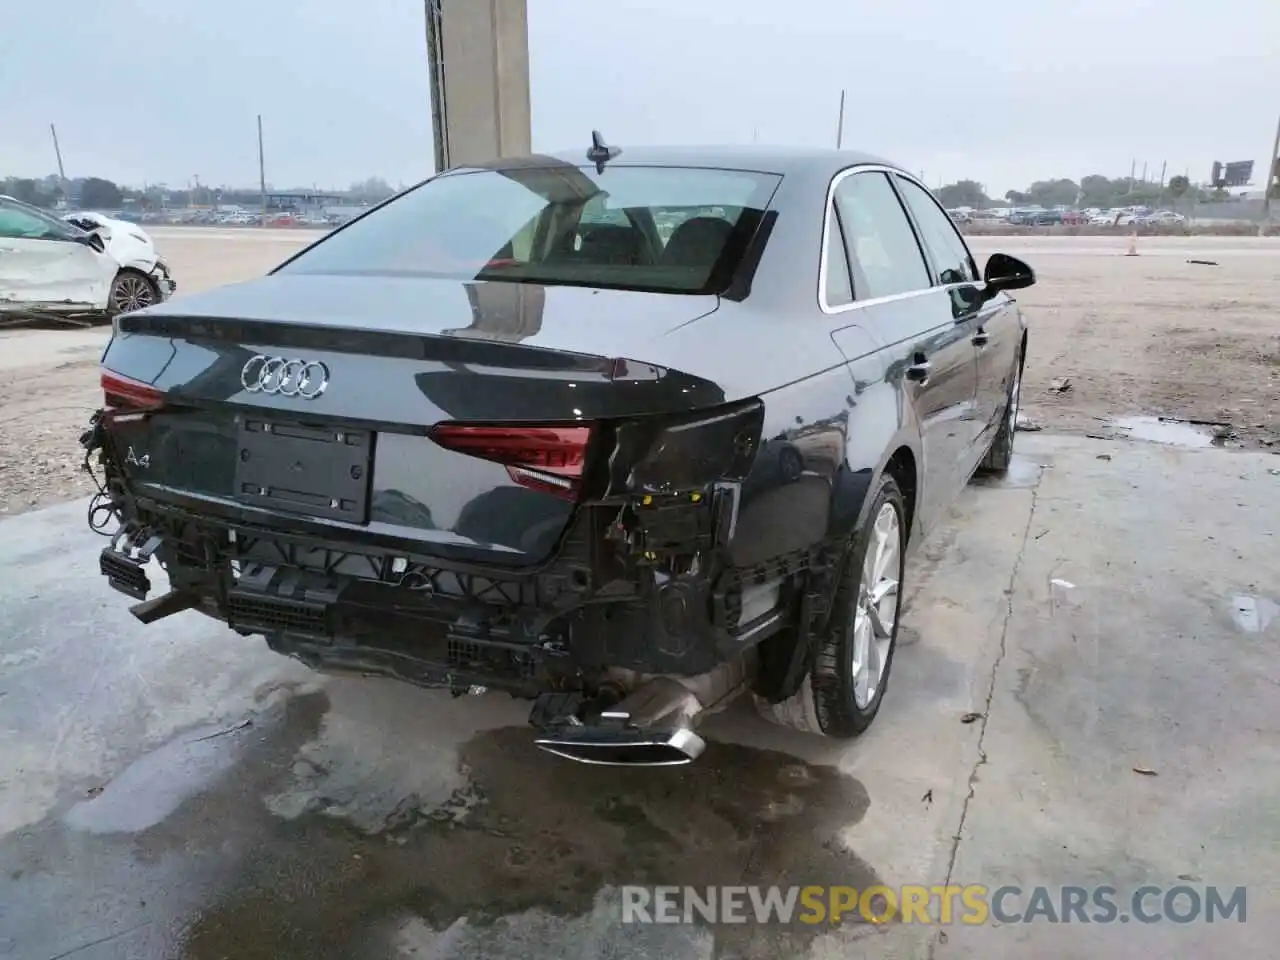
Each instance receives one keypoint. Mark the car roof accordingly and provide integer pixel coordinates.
(808, 161)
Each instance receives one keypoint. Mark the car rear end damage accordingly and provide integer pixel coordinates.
(401, 529)
(457, 442)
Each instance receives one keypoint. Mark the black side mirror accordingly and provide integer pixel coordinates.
(1004, 272)
(95, 241)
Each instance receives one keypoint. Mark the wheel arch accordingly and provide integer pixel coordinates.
(901, 459)
(903, 466)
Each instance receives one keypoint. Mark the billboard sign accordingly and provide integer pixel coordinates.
(1238, 173)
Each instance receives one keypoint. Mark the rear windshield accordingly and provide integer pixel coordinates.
(665, 229)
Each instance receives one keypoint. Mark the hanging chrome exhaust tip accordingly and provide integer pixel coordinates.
(650, 727)
(653, 726)
(626, 747)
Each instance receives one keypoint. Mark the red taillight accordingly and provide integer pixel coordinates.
(550, 459)
(121, 393)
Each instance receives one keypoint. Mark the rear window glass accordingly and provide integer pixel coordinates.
(666, 229)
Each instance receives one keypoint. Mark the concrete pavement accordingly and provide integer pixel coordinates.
(179, 791)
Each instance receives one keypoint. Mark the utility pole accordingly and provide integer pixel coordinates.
(435, 83)
(840, 123)
(1273, 162)
(262, 173)
(478, 73)
(57, 152)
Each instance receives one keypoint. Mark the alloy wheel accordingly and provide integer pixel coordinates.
(131, 293)
(877, 606)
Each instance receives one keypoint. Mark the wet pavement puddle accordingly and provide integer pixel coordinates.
(156, 784)
(1023, 473)
(534, 833)
(1167, 430)
(1254, 614)
(196, 865)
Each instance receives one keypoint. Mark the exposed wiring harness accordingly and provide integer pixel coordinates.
(103, 507)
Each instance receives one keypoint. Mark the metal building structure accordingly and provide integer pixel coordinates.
(478, 57)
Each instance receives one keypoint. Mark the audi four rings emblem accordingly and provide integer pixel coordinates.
(285, 377)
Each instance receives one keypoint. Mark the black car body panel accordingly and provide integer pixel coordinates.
(734, 437)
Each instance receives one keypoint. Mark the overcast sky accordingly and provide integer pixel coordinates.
(1001, 91)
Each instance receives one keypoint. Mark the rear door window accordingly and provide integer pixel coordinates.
(946, 247)
(881, 243)
(838, 286)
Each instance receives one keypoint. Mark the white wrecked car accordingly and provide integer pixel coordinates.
(143, 278)
(51, 269)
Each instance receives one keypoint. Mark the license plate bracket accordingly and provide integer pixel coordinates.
(301, 468)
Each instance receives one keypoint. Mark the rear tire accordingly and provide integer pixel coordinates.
(1000, 453)
(842, 692)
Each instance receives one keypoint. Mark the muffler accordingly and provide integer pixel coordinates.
(650, 727)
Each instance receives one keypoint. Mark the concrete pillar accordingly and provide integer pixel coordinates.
(478, 51)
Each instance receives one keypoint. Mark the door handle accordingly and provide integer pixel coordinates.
(918, 372)
(981, 338)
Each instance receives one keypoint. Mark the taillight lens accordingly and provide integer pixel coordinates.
(122, 393)
(546, 458)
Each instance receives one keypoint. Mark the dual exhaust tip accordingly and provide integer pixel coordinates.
(651, 727)
(627, 748)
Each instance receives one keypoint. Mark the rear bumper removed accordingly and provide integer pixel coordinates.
(636, 625)
(346, 607)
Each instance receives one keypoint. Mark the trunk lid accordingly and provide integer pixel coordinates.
(342, 436)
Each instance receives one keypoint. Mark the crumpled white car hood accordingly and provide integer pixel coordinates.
(128, 244)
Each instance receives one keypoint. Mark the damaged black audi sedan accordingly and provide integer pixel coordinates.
(626, 434)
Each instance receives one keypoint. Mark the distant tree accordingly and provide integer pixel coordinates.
(1099, 191)
(1016, 197)
(99, 194)
(35, 192)
(963, 193)
(375, 188)
(1178, 186)
(1052, 193)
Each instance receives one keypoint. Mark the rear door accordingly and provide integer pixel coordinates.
(928, 350)
(41, 264)
(993, 324)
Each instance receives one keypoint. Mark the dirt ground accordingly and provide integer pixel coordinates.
(1154, 334)
(1145, 335)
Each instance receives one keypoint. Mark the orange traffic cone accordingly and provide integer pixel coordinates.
(1133, 245)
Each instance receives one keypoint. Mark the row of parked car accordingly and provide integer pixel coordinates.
(1098, 218)
(1094, 216)
(241, 218)
(82, 267)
